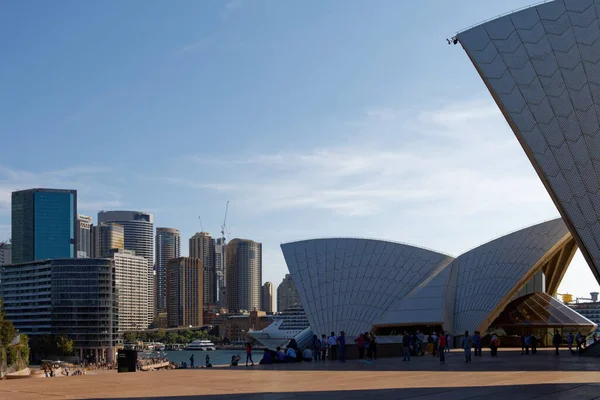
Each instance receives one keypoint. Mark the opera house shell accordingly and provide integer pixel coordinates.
(361, 285)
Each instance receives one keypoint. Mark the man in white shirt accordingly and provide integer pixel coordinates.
(307, 354)
(332, 341)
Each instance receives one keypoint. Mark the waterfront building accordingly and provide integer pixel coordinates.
(541, 67)
(43, 223)
(105, 237)
(168, 246)
(244, 275)
(131, 274)
(202, 246)
(359, 285)
(267, 299)
(138, 230)
(73, 297)
(84, 236)
(287, 294)
(185, 292)
(5, 253)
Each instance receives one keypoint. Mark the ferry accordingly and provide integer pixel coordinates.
(201, 345)
(290, 324)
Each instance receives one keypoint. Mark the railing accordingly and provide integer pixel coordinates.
(502, 15)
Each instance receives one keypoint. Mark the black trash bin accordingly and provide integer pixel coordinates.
(126, 361)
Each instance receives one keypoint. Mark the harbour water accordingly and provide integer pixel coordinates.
(217, 357)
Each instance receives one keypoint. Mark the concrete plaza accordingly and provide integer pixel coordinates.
(510, 376)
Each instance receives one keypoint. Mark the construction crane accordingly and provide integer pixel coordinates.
(224, 226)
(201, 226)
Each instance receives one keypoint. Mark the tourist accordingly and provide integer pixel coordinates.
(267, 357)
(323, 347)
(570, 340)
(477, 343)
(580, 339)
(207, 362)
(556, 340)
(494, 344)
(421, 343)
(249, 354)
(360, 342)
(307, 355)
(429, 349)
(280, 355)
(333, 345)
(368, 354)
(406, 346)
(447, 343)
(234, 361)
(435, 344)
(294, 345)
(534, 342)
(290, 355)
(192, 361)
(442, 347)
(522, 344)
(316, 343)
(527, 343)
(342, 343)
(373, 346)
(466, 344)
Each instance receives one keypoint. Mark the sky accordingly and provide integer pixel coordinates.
(313, 118)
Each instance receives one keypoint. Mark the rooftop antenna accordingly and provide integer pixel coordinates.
(201, 226)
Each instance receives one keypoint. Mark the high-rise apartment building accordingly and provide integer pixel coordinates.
(84, 236)
(184, 292)
(72, 297)
(138, 229)
(244, 275)
(220, 256)
(202, 246)
(267, 298)
(105, 237)
(5, 254)
(168, 247)
(131, 274)
(287, 294)
(44, 224)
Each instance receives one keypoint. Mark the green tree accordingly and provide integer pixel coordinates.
(130, 337)
(64, 345)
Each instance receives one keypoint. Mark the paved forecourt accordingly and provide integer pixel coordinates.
(542, 376)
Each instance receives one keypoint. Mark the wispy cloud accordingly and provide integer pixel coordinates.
(437, 160)
(230, 8)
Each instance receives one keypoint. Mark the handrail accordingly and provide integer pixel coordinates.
(502, 15)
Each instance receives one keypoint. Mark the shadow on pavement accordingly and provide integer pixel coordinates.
(512, 392)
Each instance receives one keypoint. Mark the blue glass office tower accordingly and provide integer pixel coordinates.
(43, 224)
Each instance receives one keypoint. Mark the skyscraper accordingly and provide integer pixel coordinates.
(44, 222)
(5, 253)
(131, 274)
(202, 246)
(220, 251)
(105, 237)
(84, 236)
(244, 275)
(168, 246)
(138, 228)
(267, 297)
(184, 292)
(287, 294)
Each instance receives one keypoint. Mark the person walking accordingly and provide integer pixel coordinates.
(442, 347)
(192, 361)
(533, 343)
(333, 346)
(579, 341)
(477, 343)
(323, 347)
(406, 346)
(316, 344)
(527, 343)
(373, 346)
(556, 340)
(494, 344)
(249, 354)
(368, 352)
(466, 344)
(447, 343)
(435, 344)
(570, 339)
(342, 343)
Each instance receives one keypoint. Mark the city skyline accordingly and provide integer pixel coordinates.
(410, 181)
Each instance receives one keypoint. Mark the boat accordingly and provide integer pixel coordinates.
(290, 324)
(201, 345)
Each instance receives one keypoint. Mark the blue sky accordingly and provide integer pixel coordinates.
(314, 118)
